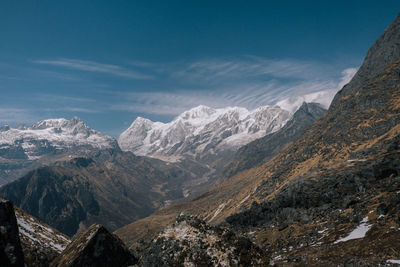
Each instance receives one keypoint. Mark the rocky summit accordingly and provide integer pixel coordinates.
(95, 247)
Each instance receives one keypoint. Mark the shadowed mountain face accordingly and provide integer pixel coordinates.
(112, 189)
(330, 197)
(261, 150)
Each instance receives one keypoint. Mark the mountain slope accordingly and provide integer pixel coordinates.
(261, 150)
(40, 242)
(331, 197)
(25, 148)
(113, 188)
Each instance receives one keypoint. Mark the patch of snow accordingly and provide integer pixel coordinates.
(219, 209)
(359, 232)
(244, 199)
(355, 160)
(393, 261)
(46, 237)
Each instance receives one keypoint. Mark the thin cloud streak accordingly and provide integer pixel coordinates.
(15, 116)
(288, 95)
(92, 66)
(249, 67)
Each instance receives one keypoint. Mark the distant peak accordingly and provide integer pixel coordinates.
(57, 123)
(76, 119)
(200, 107)
(141, 120)
(314, 109)
(197, 112)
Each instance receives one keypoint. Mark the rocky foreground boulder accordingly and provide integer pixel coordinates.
(10, 246)
(192, 242)
(95, 247)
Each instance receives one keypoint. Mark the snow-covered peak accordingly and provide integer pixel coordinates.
(50, 135)
(197, 112)
(74, 123)
(141, 121)
(201, 129)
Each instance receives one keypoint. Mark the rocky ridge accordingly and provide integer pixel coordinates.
(41, 243)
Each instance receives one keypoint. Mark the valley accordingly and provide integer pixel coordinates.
(214, 186)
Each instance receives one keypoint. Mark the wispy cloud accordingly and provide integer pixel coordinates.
(92, 66)
(248, 67)
(52, 98)
(10, 115)
(248, 82)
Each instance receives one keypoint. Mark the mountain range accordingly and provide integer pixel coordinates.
(73, 176)
(313, 188)
(201, 132)
(24, 148)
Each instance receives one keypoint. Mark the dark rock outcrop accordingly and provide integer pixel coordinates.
(95, 247)
(10, 246)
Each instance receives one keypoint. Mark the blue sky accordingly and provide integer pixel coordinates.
(108, 62)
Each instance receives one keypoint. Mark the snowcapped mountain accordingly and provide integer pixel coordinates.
(22, 147)
(201, 131)
(49, 135)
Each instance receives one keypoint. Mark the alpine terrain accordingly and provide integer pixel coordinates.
(214, 187)
(331, 197)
